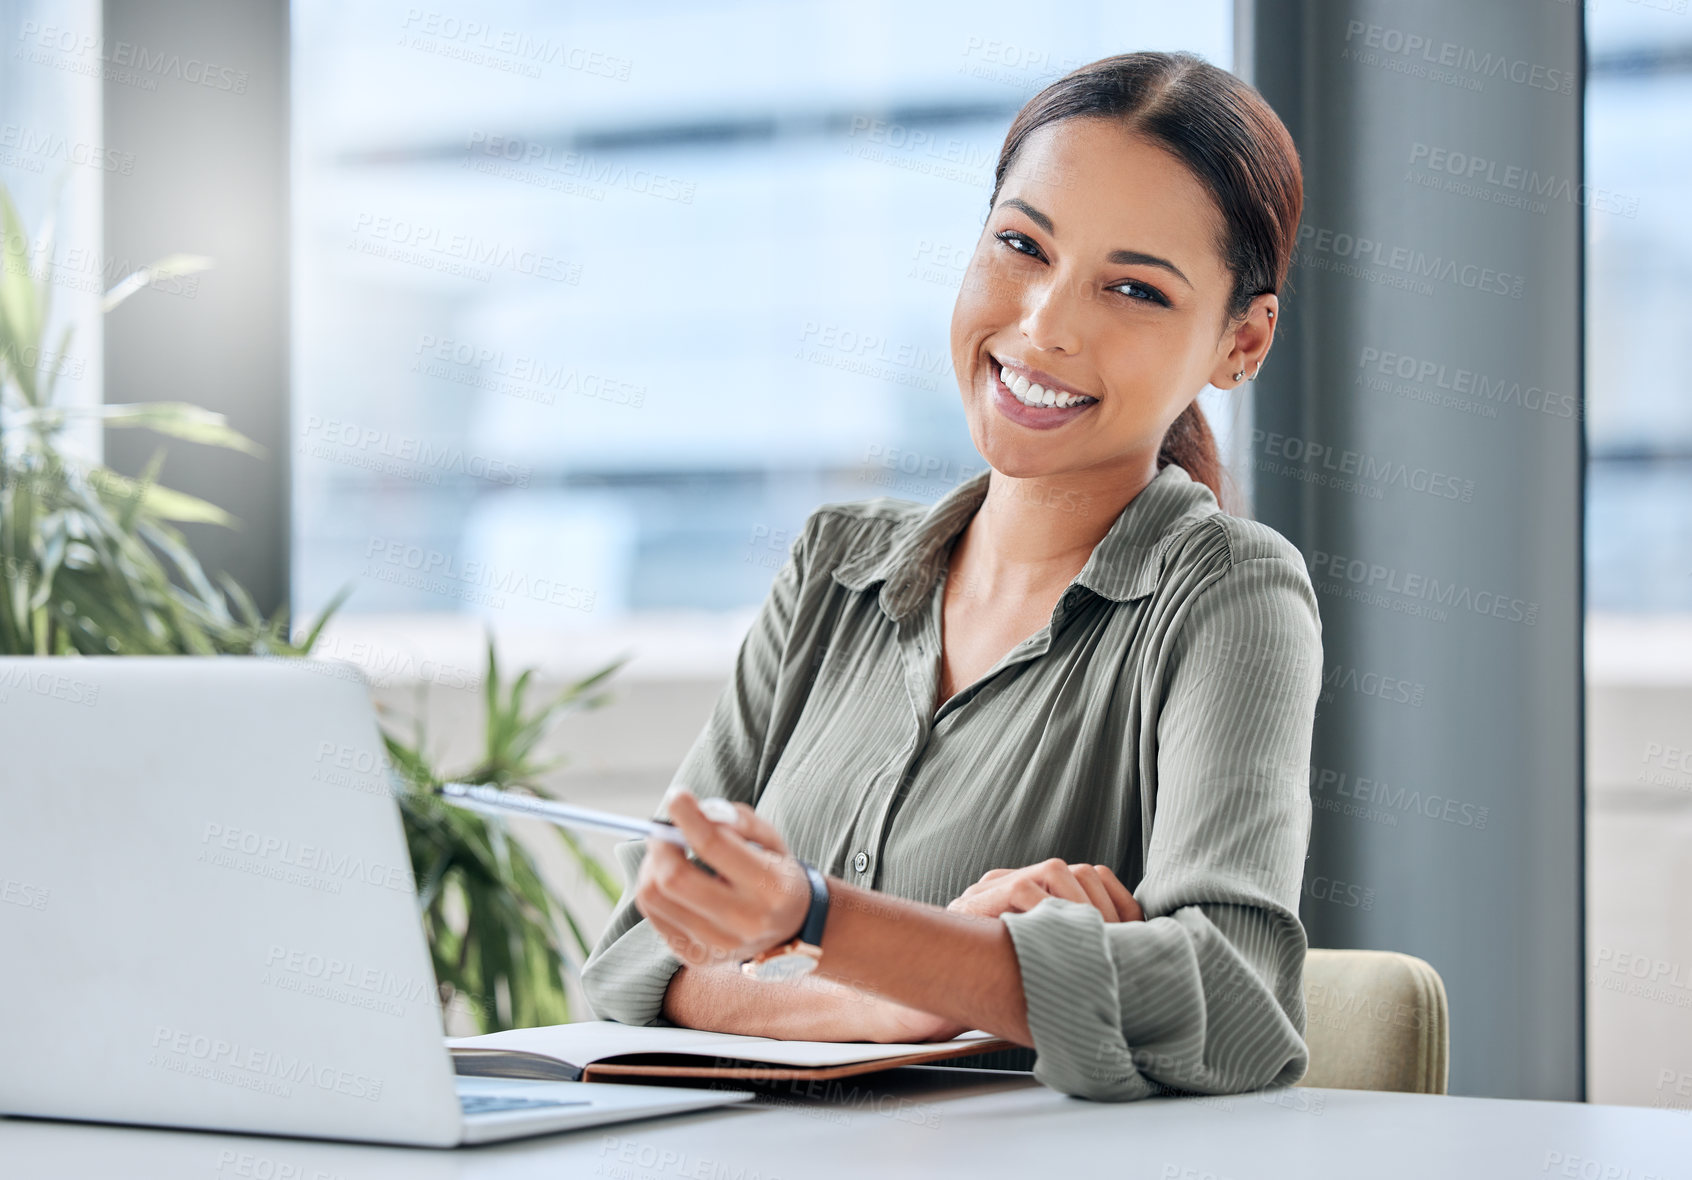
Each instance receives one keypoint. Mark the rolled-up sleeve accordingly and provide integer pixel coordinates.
(1206, 994)
(630, 967)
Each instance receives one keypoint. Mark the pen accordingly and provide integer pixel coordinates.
(493, 801)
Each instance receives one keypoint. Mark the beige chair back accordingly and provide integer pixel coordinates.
(1375, 1020)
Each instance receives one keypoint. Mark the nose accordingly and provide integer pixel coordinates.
(1048, 320)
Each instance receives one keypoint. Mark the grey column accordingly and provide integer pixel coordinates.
(1418, 433)
(197, 90)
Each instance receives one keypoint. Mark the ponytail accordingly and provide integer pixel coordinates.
(1190, 444)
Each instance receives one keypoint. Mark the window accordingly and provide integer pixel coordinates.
(590, 312)
(53, 162)
(1639, 295)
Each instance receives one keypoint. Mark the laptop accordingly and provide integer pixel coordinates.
(209, 920)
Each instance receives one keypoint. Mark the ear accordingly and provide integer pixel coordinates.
(1247, 343)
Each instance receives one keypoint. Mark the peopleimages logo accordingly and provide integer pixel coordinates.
(1436, 375)
(41, 682)
(403, 455)
(477, 43)
(147, 63)
(1376, 471)
(1397, 799)
(1452, 167)
(528, 156)
(1372, 578)
(252, 1068)
(49, 145)
(1430, 54)
(411, 565)
(330, 867)
(343, 981)
(462, 247)
(1399, 266)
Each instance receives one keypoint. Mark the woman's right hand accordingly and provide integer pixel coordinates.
(1017, 891)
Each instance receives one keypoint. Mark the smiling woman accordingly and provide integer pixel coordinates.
(1048, 740)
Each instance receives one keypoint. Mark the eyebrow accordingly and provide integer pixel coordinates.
(1125, 257)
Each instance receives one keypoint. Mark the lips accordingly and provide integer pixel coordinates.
(1032, 417)
(1034, 387)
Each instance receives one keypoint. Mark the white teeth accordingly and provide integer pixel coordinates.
(1031, 394)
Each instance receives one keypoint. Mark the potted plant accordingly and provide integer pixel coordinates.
(92, 563)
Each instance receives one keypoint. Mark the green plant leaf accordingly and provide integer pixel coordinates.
(609, 886)
(165, 503)
(310, 639)
(168, 267)
(51, 366)
(177, 419)
(20, 309)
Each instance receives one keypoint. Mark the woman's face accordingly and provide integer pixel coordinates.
(1099, 269)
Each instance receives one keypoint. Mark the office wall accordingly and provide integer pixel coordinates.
(196, 92)
(1418, 434)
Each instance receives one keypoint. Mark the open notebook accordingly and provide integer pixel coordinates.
(605, 1051)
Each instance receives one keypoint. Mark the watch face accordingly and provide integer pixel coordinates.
(790, 965)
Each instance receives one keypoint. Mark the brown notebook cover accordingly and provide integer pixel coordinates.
(605, 1051)
(672, 1065)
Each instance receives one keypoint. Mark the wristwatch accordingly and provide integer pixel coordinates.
(798, 955)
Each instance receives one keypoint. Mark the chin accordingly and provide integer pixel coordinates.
(1023, 462)
(1012, 451)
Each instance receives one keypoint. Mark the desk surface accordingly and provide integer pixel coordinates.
(924, 1122)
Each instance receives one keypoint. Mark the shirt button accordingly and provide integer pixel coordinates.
(861, 861)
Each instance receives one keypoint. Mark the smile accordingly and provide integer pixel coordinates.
(1035, 395)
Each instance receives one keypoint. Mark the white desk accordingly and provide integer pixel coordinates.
(926, 1122)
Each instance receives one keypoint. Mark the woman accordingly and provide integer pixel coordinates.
(983, 720)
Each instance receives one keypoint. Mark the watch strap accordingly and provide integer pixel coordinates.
(817, 916)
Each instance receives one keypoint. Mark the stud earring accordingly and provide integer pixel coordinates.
(1239, 375)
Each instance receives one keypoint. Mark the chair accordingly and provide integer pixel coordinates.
(1375, 1020)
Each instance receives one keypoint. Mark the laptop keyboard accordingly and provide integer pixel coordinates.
(489, 1103)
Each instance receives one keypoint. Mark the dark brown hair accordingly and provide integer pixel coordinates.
(1226, 134)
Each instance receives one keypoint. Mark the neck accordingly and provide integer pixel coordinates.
(1035, 532)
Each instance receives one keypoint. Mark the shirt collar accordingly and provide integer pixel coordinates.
(1123, 566)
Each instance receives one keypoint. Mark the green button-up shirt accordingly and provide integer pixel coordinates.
(1160, 723)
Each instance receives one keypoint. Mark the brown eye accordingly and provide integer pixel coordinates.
(1018, 242)
(1138, 290)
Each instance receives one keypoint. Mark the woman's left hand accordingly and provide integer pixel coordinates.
(1016, 891)
(757, 900)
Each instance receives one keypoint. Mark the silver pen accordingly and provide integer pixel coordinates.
(493, 801)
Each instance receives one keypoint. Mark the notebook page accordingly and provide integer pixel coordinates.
(584, 1042)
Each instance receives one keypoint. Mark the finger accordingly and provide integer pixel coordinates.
(698, 942)
(757, 829)
(697, 946)
(1126, 906)
(681, 944)
(1054, 874)
(688, 888)
(718, 845)
(747, 903)
(985, 882)
(1095, 891)
(685, 947)
(676, 938)
(1025, 894)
